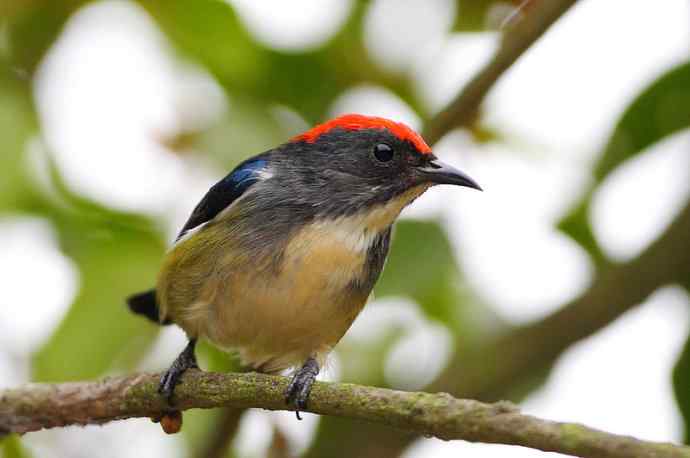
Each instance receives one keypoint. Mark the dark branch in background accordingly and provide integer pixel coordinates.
(224, 430)
(39, 406)
(533, 347)
(488, 370)
(517, 38)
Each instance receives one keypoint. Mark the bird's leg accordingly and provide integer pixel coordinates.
(299, 388)
(171, 377)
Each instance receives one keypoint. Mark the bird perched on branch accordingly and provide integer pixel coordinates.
(280, 256)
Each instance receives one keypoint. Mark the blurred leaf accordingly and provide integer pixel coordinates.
(199, 425)
(660, 110)
(114, 261)
(217, 360)
(33, 27)
(482, 133)
(363, 361)
(209, 32)
(576, 225)
(422, 265)
(11, 447)
(681, 387)
(17, 123)
(117, 254)
(29, 28)
(247, 130)
(472, 15)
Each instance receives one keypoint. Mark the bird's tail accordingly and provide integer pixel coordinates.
(145, 304)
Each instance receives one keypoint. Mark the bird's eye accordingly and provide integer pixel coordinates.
(383, 152)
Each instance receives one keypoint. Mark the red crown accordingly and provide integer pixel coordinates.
(357, 122)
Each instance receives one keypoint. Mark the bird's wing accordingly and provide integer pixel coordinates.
(224, 193)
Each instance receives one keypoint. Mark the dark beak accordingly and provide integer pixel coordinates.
(440, 173)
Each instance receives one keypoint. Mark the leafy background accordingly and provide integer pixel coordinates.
(115, 116)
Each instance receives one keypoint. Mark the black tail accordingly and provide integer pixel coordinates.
(145, 304)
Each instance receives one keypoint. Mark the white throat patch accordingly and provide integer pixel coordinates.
(357, 232)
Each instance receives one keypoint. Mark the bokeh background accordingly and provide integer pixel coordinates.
(116, 116)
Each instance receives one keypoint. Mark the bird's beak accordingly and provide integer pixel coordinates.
(438, 172)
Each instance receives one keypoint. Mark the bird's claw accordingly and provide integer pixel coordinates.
(168, 381)
(297, 392)
(171, 377)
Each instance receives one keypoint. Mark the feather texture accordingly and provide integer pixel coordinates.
(277, 307)
(225, 192)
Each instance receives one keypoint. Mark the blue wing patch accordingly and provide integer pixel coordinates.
(225, 192)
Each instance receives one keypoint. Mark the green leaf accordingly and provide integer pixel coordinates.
(17, 123)
(210, 33)
(681, 387)
(11, 447)
(662, 109)
(421, 265)
(98, 332)
(681, 380)
(472, 15)
(248, 130)
(363, 361)
(576, 225)
(34, 26)
(117, 254)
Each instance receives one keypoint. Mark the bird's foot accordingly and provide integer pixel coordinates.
(171, 377)
(297, 392)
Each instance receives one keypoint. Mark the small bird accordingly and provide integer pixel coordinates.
(280, 256)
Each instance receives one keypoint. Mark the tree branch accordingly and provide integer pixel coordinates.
(37, 406)
(530, 348)
(516, 40)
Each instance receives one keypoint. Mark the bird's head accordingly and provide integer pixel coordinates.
(355, 163)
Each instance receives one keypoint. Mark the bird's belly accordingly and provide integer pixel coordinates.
(278, 319)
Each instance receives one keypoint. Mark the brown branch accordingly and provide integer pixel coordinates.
(37, 406)
(516, 39)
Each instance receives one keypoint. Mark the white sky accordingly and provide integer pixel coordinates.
(109, 90)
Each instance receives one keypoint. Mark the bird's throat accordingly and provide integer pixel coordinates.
(359, 231)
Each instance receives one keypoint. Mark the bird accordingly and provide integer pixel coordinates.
(280, 256)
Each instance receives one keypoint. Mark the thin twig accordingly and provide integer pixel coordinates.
(517, 38)
(37, 406)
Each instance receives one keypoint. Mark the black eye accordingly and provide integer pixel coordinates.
(383, 152)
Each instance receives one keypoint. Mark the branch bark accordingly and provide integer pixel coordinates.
(37, 406)
(516, 39)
